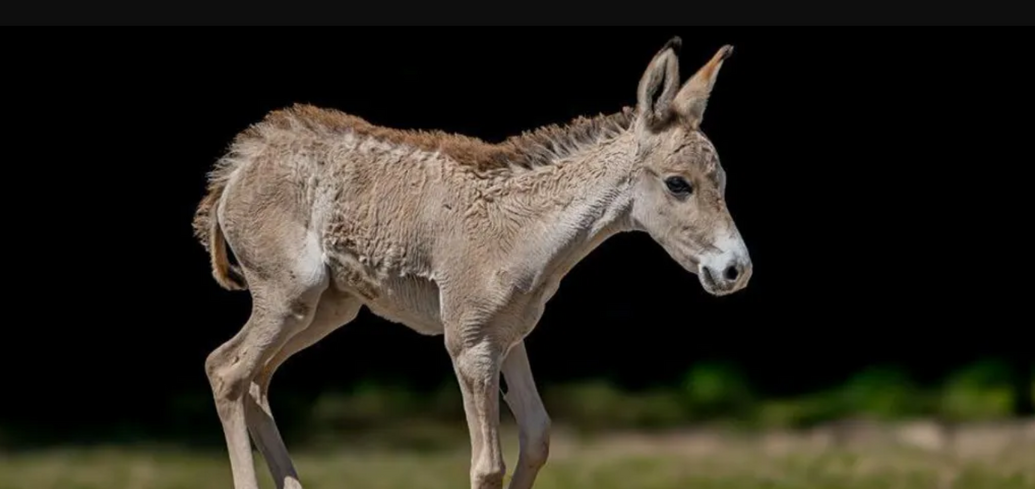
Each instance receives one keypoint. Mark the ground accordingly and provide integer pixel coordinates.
(916, 455)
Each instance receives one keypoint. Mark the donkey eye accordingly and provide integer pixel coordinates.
(678, 186)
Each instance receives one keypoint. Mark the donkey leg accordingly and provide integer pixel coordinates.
(334, 311)
(477, 366)
(532, 419)
(278, 312)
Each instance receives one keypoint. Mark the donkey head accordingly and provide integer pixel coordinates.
(679, 188)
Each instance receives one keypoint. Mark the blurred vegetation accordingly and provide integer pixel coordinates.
(715, 393)
(711, 394)
(378, 434)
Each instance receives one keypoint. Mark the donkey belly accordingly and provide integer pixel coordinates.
(409, 300)
(413, 302)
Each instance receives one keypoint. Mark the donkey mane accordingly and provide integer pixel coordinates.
(538, 147)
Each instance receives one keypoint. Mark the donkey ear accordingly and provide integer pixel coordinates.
(693, 97)
(659, 85)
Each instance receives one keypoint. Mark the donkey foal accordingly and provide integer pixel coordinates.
(452, 236)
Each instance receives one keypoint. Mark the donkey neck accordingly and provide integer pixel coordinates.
(568, 208)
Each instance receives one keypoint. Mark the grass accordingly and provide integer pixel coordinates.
(914, 455)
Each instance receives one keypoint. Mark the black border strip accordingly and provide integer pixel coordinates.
(418, 12)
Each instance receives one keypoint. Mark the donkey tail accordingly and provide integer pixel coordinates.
(228, 275)
(209, 233)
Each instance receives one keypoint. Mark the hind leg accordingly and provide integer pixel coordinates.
(334, 311)
(279, 310)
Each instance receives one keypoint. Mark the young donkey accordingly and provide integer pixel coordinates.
(326, 213)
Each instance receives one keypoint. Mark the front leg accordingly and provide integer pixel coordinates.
(532, 419)
(476, 360)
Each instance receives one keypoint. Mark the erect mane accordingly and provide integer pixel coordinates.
(546, 144)
(532, 148)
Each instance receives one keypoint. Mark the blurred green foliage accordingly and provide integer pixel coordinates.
(979, 391)
(710, 393)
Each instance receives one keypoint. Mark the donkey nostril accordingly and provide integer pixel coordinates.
(731, 272)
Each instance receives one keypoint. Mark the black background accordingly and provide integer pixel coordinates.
(874, 174)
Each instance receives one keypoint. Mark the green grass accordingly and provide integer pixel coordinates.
(868, 456)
